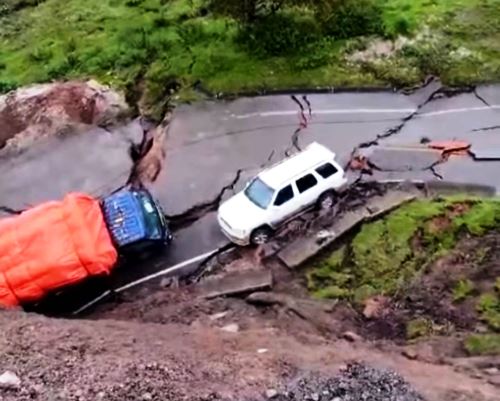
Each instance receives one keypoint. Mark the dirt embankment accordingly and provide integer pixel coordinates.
(56, 108)
(205, 360)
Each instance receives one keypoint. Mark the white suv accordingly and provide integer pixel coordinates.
(281, 192)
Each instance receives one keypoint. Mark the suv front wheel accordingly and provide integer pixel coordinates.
(260, 235)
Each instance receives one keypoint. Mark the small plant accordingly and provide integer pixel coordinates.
(483, 344)
(488, 307)
(419, 327)
(462, 290)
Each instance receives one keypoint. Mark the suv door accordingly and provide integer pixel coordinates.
(284, 205)
(308, 189)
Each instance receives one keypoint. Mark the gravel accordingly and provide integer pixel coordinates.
(356, 382)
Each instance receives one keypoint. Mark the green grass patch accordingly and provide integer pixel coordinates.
(387, 254)
(462, 289)
(174, 44)
(420, 327)
(483, 344)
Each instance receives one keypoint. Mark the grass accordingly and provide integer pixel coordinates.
(169, 45)
(483, 344)
(462, 289)
(389, 253)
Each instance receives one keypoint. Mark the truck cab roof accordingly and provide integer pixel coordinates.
(133, 216)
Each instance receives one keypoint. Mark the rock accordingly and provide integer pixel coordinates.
(231, 328)
(351, 336)
(271, 393)
(494, 380)
(166, 282)
(9, 379)
(218, 316)
(374, 307)
(262, 350)
(492, 371)
(315, 397)
(409, 353)
(147, 397)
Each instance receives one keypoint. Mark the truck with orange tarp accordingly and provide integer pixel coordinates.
(61, 243)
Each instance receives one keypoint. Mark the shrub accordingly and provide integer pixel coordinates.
(279, 34)
(483, 344)
(352, 18)
(7, 86)
(462, 290)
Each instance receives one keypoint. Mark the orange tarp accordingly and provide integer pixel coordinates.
(53, 245)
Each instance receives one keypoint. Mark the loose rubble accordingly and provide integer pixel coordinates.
(356, 382)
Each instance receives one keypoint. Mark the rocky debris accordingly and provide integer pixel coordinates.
(239, 282)
(30, 113)
(351, 336)
(271, 393)
(231, 328)
(410, 353)
(9, 379)
(354, 383)
(375, 306)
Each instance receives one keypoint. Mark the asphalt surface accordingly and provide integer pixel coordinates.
(209, 142)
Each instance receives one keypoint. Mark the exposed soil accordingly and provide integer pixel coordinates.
(195, 358)
(52, 109)
(430, 295)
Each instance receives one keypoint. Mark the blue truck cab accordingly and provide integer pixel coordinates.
(135, 221)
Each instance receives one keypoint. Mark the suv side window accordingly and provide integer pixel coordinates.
(326, 170)
(306, 182)
(284, 195)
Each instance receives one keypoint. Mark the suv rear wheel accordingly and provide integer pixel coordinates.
(260, 235)
(326, 200)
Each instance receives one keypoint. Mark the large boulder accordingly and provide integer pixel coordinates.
(56, 108)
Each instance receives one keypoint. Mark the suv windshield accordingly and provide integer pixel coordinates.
(259, 193)
(152, 220)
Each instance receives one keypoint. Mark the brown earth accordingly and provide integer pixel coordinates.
(193, 359)
(51, 109)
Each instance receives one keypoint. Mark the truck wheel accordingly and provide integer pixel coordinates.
(260, 235)
(326, 200)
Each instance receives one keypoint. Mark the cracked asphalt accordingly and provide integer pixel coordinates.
(214, 147)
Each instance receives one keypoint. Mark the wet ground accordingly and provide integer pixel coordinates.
(213, 148)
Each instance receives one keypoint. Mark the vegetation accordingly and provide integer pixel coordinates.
(158, 47)
(382, 257)
(483, 344)
(415, 246)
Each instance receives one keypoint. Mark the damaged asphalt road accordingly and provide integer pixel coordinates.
(214, 147)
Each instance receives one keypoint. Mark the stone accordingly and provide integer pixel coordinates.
(315, 397)
(231, 328)
(492, 371)
(262, 350)
(9, 379)
(147, 397)
(409, 353)
(374, 307)
(217, 316)
(271, 393)
(351, 336)
(166, 282)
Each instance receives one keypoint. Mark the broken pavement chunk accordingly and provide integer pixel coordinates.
(237, 283)
(485, 153)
